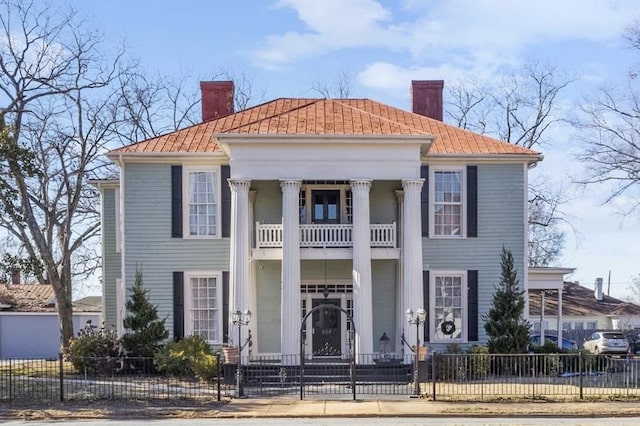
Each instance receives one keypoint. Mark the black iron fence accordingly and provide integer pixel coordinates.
(444, 377)
(568, 376)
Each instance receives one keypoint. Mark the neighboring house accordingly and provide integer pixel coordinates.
(301, 202)
(29, 326)
(582, 309)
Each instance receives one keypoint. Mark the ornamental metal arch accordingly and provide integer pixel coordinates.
(352, 360)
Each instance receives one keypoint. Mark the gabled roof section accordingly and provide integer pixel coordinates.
(580, 301)
(27, 298)
(324, 117)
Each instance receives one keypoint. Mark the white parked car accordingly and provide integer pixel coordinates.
(606, 342)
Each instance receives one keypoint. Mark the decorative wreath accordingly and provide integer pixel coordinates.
(448, 327)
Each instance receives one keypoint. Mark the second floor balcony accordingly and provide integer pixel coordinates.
(325, 236)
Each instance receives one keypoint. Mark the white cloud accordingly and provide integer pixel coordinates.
(329, 25)
(445, 29)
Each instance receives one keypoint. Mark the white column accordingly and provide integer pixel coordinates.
(400, 321)
(362, 292)
(290, 287)
(239, 285)
(412, 295)
(559, 317)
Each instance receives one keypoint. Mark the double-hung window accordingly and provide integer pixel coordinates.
(202, 202)
(203, 305)
(448, 214)
(448, 308)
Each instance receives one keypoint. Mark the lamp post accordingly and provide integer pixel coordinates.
(419, 318)
(240, 318)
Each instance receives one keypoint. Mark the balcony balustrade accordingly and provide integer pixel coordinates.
(325, 236)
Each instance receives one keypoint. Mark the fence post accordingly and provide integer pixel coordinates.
(581, 369)
(219, 376)
(433, 374)
(61, 364)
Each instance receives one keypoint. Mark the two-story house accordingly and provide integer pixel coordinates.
(300, 202)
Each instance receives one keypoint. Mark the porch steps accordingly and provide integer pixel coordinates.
(320, 373)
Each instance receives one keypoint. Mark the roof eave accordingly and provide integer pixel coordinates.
(521, 158)
(313, 138)
(116, 156)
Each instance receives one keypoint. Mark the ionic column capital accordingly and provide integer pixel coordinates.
(290, 185)
(412, 184)
(239, 185)
(360, 185)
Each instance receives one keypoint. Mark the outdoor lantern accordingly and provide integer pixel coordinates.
(384, 345)
(409, 315)
(421, 314)
(247, 316)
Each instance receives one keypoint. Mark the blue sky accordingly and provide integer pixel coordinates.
(284, 46)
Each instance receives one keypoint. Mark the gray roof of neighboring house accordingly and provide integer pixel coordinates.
(88, 304)
(580, 301)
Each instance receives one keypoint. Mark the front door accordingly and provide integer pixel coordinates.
(326, 328)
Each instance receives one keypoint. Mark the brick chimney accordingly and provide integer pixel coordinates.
(426, 98)
(15, 277)
(217, 99)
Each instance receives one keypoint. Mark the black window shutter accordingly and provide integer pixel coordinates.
(176, 201)
(424, 200)
(225, 306)
(472, 306)
(225, 200)
(472, 201)
(178, 305)
(425, 303)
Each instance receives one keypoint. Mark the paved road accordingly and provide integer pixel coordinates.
(331, 421)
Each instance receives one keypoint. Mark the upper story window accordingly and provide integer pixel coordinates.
(326, 202)
(448, 213)
(201, 202)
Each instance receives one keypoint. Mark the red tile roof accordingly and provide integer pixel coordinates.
(332, 117)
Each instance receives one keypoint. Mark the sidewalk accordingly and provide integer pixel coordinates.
(292, 408)
(422, 408)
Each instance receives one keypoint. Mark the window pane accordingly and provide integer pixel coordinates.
(204, 308)
(447, 203)
(202, 203)
(448, 307)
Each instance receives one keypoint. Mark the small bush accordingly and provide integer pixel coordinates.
(189, 357)
(94, 350)
(480, 361)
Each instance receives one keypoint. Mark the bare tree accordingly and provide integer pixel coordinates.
(634, 290)
(546, 238)
(519, 108)
(152, 106)
(610, 130)
(340, 88)
(56, 112)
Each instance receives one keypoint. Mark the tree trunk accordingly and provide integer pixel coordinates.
(65, 313)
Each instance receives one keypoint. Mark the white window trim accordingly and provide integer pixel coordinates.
(308, 190)
(188, 319)
(432, 199)
(432, 304)
(185, 201)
